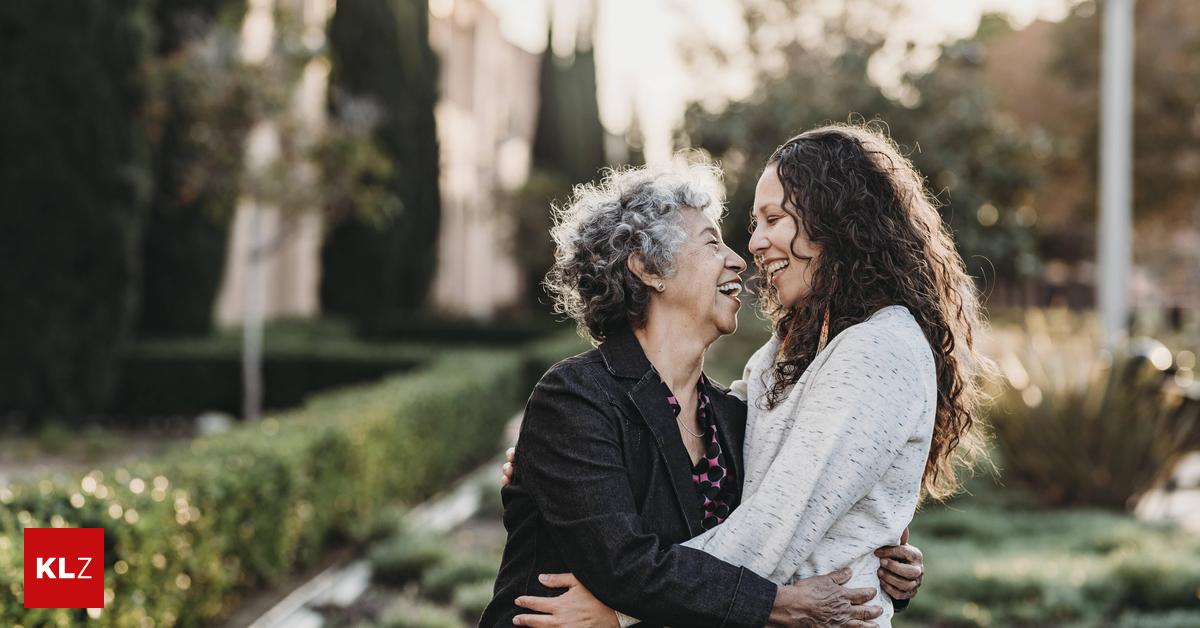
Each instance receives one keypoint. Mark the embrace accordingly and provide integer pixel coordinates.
(642, 491)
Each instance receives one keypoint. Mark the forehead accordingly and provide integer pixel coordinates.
(696, 221)
(769, 190)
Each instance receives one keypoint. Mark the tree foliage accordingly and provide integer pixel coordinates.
(76, 177)
(203, 109)
(380, 53)
(568, 149)
(971, 155)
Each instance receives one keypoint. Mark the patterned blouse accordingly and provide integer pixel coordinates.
(714, 486)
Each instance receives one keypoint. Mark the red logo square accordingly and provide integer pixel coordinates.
(64, 567)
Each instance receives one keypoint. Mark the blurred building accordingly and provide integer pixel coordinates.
(486, 118)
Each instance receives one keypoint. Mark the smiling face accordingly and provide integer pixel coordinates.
(780, 247)
(705, 286)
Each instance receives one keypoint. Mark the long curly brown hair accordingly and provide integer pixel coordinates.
(882, 243)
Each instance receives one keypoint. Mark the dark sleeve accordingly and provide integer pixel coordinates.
(899, 605)
(569, 458)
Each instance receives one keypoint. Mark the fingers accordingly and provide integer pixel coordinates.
(893, 583)
(511, 453)
(841, 576)
(558, 580)
(537, 621)
(903, 570)
(535, 603)
(854, 623)
(902, 553)
(865, 613)
(860, 596)
(507, 470)
(904, 536)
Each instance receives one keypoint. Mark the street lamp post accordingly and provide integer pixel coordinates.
(1115, 251)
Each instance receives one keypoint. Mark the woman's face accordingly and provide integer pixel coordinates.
(706, 282)
(779, 245)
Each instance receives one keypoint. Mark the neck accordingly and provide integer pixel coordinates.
(677, 355)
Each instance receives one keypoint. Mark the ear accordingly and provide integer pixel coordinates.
(638, 267)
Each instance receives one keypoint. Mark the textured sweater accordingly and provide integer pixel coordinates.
(834, 470)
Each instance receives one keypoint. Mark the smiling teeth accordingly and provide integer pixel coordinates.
(776, 266)
(732, 288)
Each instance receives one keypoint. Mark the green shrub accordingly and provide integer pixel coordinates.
(188, 532)
(1080, 426)
(405, 558)
(991, 565)
(439, 583)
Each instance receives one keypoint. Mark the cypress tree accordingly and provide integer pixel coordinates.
(75, 177)
(205, 115)
(569, 140)
(380, 52)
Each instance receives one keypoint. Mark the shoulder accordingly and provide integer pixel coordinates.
(891, 335)
(582, 375)
(579, 368)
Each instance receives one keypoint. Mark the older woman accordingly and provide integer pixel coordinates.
(629, 449)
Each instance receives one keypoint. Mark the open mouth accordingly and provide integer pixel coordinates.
(776, 267)
(730, 288)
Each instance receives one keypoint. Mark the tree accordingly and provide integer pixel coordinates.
(206, 105)
(568, 149)
(76, 177)
(1166, 87)
(380, 53)
(981, 166)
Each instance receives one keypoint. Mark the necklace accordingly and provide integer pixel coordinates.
(685, 428)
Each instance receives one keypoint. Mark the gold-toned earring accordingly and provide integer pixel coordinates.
(824, 331)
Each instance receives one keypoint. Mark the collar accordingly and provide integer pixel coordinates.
(623, 354)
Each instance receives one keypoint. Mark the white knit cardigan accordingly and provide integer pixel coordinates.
(834, 470)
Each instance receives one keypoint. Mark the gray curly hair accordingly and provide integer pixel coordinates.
(632, 211)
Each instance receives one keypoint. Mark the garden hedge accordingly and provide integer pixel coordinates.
(185, 377)
(189, 532)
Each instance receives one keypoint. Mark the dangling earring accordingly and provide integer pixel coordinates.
(824, 331)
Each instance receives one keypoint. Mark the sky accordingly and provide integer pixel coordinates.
(640, 68)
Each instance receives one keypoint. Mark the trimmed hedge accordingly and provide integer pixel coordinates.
(191, 376)
(189, 531)
(432, 327)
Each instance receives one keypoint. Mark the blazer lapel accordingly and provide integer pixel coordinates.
(624, 357)
(647, 397)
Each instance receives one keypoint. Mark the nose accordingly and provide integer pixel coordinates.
(758, 239)
(733, 261)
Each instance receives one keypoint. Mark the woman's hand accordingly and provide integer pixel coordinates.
(577, 607)
(901, 569)
(823, 601)
(507, 468)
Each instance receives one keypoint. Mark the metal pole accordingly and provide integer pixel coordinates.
(1115, 251)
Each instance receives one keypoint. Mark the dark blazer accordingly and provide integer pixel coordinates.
(603, 489)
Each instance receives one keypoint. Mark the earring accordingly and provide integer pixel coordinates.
(824, 331)
(661, 286)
